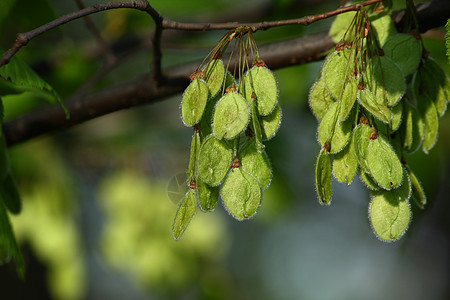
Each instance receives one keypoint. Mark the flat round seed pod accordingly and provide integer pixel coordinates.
(214, 160)
(427, 108)
(194, 102)
(348, 99)
(384, 28)
(385, 80)
(368, 181)
(345, 164)
(360, 140)
(320, 99)
(444, 81)
(337, 71)
(414, 128)
(330, 129)
(256, 163)
(323, 177)
(340, 26)
(205, 124)
(404, 50)
(262, 82)
(231, 116)
(241, 194)
(207, 196)
(214, 76)
(271, 123)
(389, 215)
(384, 165)
(380, 111)
(417, 192)
(184, 215)
(397, 114)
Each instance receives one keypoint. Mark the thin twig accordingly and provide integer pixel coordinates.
(109, 55)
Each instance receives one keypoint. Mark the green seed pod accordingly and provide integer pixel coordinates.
(348, 99)
(330, 129)
(205, 124)
(368, 181)
(193, 157)
(340, 26)
(443, 79)
(320, 99)
(214, 160)
(323, 177)
(414, 128)
(271, 123)
(207, 196)
(241, 194)
(385, 80)
(345, 164)
(231, 116)
(426, 81)
(214, 76)
(360, 140)
(337, 71)
(256, 127)
(417, 192)
(194, 102)
(367, 99)
(383, 26)
(184, 215)
(256, 163)
(397, 114)
(262, 82)
(389, 214)
(10, 195)
(383, 163)
(404, 50)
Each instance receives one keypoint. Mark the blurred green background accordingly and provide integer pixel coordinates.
(96, 221)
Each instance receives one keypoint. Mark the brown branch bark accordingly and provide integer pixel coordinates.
(141, 91)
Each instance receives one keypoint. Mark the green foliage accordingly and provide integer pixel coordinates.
(374, 64)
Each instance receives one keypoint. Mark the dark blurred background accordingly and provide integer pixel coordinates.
(97, 219)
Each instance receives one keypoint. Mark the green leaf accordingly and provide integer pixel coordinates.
(214, 76)
(330, 129)
(271, 123)
(214, 160)
(337, 71)
(348, 99)
(184, 215)
(340, 26)
(241, 194)
(320, 99)
(256, 163)
(384, 28)
(385, 80)
(8, 244)
(345, 164)
(25, 79)
(194, 102)
(323, 177)
(231, 116)
(367, 99)
(10, 195)
(4, 159)
(368, 181)
(207, 196)
(360, 140)
(389, 214)
(404, 50)
(261, 81)
(383, 163)
(417, 192)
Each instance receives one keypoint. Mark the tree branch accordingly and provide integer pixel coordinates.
(140, 91)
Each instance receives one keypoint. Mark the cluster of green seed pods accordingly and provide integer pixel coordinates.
(378, 98)
(231, 118)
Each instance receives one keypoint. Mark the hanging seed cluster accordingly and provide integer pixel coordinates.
(378, 97)
(232, 114)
